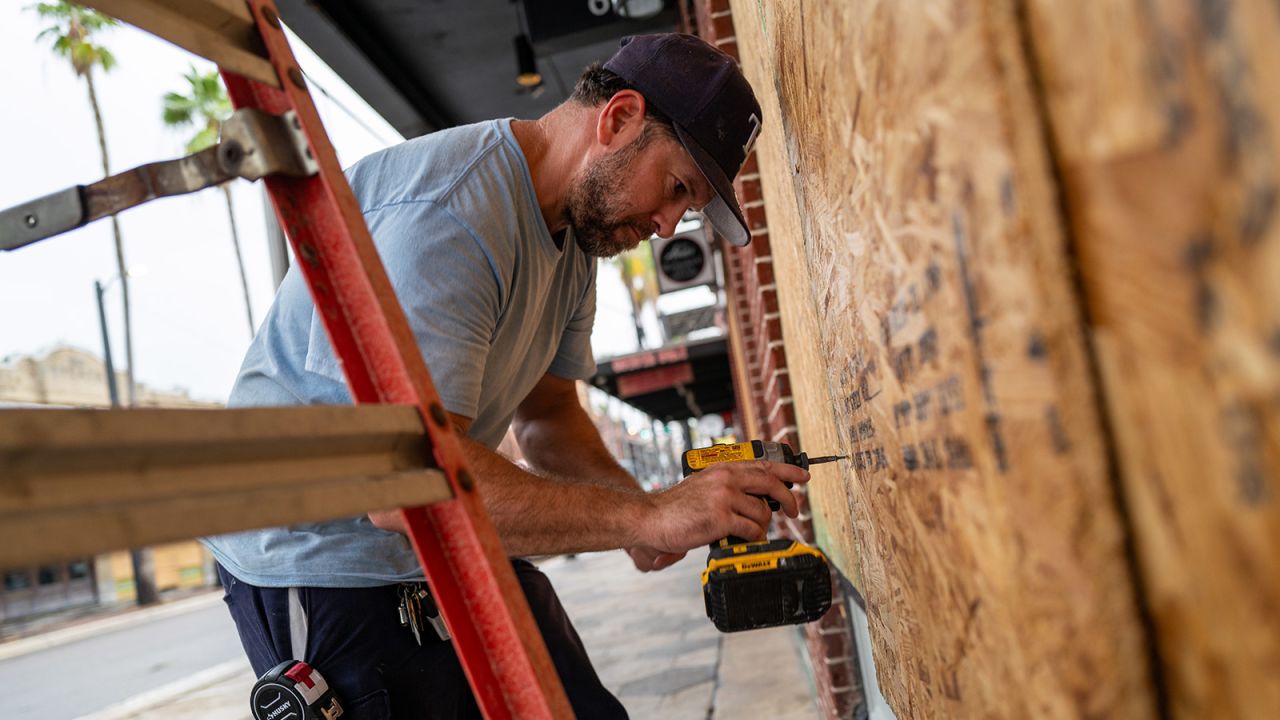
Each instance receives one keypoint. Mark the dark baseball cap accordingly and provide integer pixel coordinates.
(711, 105)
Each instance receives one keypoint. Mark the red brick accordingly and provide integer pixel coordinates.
(784, 383)
(750, 167)
(749, 191)
(769, 301)
(772, 397)
(721, 27)
(773, 328)
(773, 359)
(761, 244)
(846, 703)
(756, 218)
(842, 674)
(764, 272)
(834, 646)
(833, 619)
(785, 418)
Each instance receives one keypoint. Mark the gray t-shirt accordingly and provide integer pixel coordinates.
(494, 305)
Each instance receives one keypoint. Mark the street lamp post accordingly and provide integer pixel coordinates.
(112, 391)
(144, 566)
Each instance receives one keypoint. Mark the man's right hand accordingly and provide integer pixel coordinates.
(725, 499)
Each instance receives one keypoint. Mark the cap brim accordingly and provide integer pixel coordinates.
(723, 211)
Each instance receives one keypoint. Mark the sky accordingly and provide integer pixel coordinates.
(189, 325)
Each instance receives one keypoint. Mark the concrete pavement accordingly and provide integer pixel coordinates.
(96, 664)
(647, 634)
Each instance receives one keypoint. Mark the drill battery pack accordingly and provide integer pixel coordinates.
(766, 583)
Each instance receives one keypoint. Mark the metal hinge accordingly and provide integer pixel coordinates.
(254, 144)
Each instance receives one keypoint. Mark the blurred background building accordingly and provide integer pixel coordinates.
(66, 376)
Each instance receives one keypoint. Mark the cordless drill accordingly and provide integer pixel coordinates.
(764, 583)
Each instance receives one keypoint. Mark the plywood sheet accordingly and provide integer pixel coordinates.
(1166, 116)
(902, 157)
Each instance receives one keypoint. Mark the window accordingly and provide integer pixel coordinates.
(78, 570)
(47, 575)
(17, 580)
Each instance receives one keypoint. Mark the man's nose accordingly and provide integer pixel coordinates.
(668, 216)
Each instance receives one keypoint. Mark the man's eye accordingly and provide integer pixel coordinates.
(680, 188)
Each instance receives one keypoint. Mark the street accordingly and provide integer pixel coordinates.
(87, 675)
(647, 635)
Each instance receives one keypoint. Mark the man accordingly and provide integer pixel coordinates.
(490, 234)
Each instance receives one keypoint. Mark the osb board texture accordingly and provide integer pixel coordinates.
(903, 147)
(1166, 116)
(802, 331)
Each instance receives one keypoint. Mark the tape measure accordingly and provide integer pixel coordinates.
(293, 690)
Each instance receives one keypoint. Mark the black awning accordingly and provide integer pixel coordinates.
(425, 66)
(676, 382)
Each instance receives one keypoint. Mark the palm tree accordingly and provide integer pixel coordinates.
(205, 106)
(71, 28)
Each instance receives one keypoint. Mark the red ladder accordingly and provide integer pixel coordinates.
(471, 579)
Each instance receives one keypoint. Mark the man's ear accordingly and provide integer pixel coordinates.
(621, 120)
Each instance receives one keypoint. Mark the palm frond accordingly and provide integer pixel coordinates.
(203, 139)
(203, 102)
(72, 27)
(177, 110)
(106, 58)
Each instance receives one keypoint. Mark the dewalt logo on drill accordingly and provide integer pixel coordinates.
(766, 564)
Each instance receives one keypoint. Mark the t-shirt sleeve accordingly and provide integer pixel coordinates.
(574, 359)
(449, 290)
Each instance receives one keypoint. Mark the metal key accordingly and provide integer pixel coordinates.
(432, 614)
(404, 612)
(415, 618)
(407, 611)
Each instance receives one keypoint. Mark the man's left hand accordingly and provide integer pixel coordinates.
(649, 560)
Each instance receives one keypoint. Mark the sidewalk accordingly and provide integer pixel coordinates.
(647, 634)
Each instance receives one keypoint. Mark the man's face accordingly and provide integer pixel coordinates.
(624, 196)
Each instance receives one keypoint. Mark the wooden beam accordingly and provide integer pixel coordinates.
(913, 219)
(1166, 121)
(219, 30)
(76, 482)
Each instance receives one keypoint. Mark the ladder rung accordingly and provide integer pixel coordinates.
(219, 30)
(77, 482)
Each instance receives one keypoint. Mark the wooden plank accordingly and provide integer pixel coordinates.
(904, 143)
(218, 30)
(80, 530)
(76, 482)
(1166, 115)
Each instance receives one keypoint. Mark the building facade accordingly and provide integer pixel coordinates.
(70, 377)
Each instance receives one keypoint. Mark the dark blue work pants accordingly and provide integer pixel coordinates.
(355, 640)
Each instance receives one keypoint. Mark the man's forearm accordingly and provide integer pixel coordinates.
(570, 448)
(535, 515)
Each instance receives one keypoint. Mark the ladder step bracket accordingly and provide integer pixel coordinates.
(254, 144)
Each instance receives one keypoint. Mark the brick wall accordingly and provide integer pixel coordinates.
(764, 388)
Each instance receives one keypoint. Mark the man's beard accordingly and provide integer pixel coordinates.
(593, 207)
